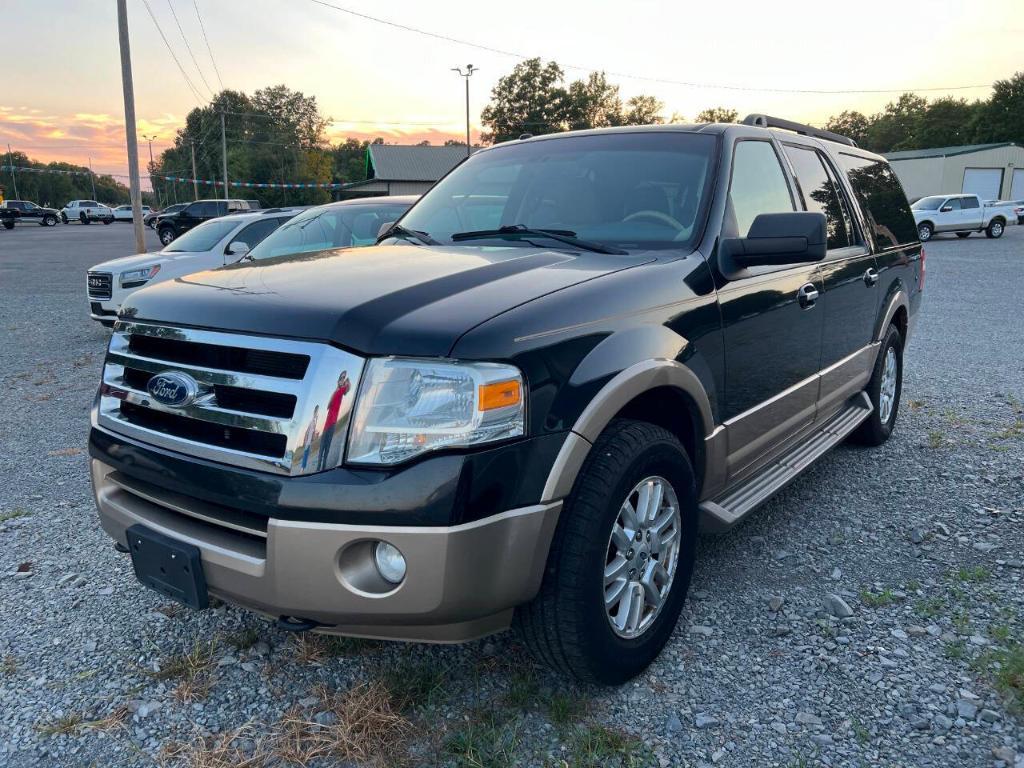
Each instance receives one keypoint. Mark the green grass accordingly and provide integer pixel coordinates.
(975, 575)
(956, 650)
(935, 439)
(877, 599)
(999, 632)
(566, 708)
(415, 684)
(930, 607)
(913, 585)
(1006, 668)
(598, 746)
(1015, 430)
(8, 665)
(489, 739)
(62, 726)
(860, 733)
(13, 514)
(243, 639)
(523, 689)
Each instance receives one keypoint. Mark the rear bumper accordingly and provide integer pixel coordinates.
(462, 581)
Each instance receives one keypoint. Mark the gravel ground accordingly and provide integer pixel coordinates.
(871, 614)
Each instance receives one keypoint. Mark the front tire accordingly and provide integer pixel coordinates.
(109, 220)
(995, 229)
(84, 219)
(49, 220)
(925, 231)
(8, 223)
(884, 390)
(621, 559)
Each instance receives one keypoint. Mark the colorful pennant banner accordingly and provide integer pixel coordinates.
(207, 182)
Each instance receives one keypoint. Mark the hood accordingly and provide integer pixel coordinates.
(141, 260)
(380, 300)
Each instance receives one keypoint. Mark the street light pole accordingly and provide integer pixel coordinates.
(470, 69)
(150, 139)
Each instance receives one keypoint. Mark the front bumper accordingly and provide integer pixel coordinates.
(462, 581)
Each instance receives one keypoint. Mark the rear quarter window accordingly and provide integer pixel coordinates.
(882, 198)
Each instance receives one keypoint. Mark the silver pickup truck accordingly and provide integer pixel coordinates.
(962, 214)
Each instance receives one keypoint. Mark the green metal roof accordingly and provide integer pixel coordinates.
(966, 149)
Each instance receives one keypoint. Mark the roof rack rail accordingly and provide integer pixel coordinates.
(766, 121)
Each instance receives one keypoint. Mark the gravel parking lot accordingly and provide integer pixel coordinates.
(871, 614)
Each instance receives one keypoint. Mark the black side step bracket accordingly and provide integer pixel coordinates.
(737, 502)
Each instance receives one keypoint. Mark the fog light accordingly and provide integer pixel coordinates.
(390, 562)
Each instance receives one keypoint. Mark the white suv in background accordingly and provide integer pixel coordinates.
(212, 244)
(86, 211)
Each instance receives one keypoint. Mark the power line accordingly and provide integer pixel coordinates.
(209, 50)
(632, 76)
(184, 74)
(188, 47)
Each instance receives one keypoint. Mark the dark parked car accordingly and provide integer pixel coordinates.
(151, 218)
(518, 408)
(28, 211)
(170, 225)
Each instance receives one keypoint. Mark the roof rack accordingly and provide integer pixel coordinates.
(766, 121)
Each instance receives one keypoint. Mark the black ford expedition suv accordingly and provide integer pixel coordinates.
(518, 407)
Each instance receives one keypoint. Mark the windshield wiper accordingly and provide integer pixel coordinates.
(397, 230)
(520, 230)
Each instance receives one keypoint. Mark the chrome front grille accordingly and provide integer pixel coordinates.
(99, 284)
(270, 404)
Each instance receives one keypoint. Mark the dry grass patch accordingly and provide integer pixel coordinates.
(365, 727)
(194, 668)
(310, 648)
(220, 751)
(8, 665)
(74, 723)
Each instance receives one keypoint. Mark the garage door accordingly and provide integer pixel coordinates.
(1017, 188)
(983, 182)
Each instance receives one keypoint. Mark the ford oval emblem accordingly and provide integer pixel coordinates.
(173, 388)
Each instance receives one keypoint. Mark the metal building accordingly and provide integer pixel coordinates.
(395, 169)
(991, 171)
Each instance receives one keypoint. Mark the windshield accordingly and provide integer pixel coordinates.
(332, 226)
(928, 203)
(202, 238)
(625, 190)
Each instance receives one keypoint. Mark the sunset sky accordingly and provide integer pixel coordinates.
(61, 94)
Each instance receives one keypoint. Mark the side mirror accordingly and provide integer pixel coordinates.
(780, 238)
(384, 228)
(946, 209)
(238, 248)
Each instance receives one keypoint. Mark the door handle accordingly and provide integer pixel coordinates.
(871, 277)
(807, 295)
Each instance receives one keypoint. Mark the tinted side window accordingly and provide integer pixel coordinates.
(820, 194)
(254, 233)
(880, 195)
(89, 203)
(969, 202)
(758, 186)
(953, 204)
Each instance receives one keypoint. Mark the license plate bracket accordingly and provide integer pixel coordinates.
(171, 567)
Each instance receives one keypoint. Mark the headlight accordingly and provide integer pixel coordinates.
(409, 407)
(136, 277)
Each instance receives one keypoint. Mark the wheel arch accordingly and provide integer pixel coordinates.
(660, 391)
(896, 308)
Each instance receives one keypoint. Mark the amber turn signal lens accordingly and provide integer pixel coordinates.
(500, 394)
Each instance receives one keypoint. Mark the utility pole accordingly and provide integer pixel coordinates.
(224, 152)
(470, 69)
(92, 179)
(10, 162)
(195, 179)
(129, 125)
(152, 165)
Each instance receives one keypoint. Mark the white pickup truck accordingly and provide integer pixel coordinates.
(87, 211)
(962, 214)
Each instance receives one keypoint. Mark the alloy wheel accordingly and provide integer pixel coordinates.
(643, 556)
(887, 390)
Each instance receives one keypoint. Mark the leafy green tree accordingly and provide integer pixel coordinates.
(643, 110)
(592, 103)
(896, 126)
(1001, 118)
(717, 115)
(850, 123)
(529, 100)
(946, 122)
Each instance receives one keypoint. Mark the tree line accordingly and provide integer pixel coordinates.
(277, 134)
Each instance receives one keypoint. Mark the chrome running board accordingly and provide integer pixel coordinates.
(738, 501)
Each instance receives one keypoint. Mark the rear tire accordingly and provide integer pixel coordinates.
(884, 390)
(166, 235)
(995, 229)
(108, 220)
(8, 223)
(568, 625)
(925, 231)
